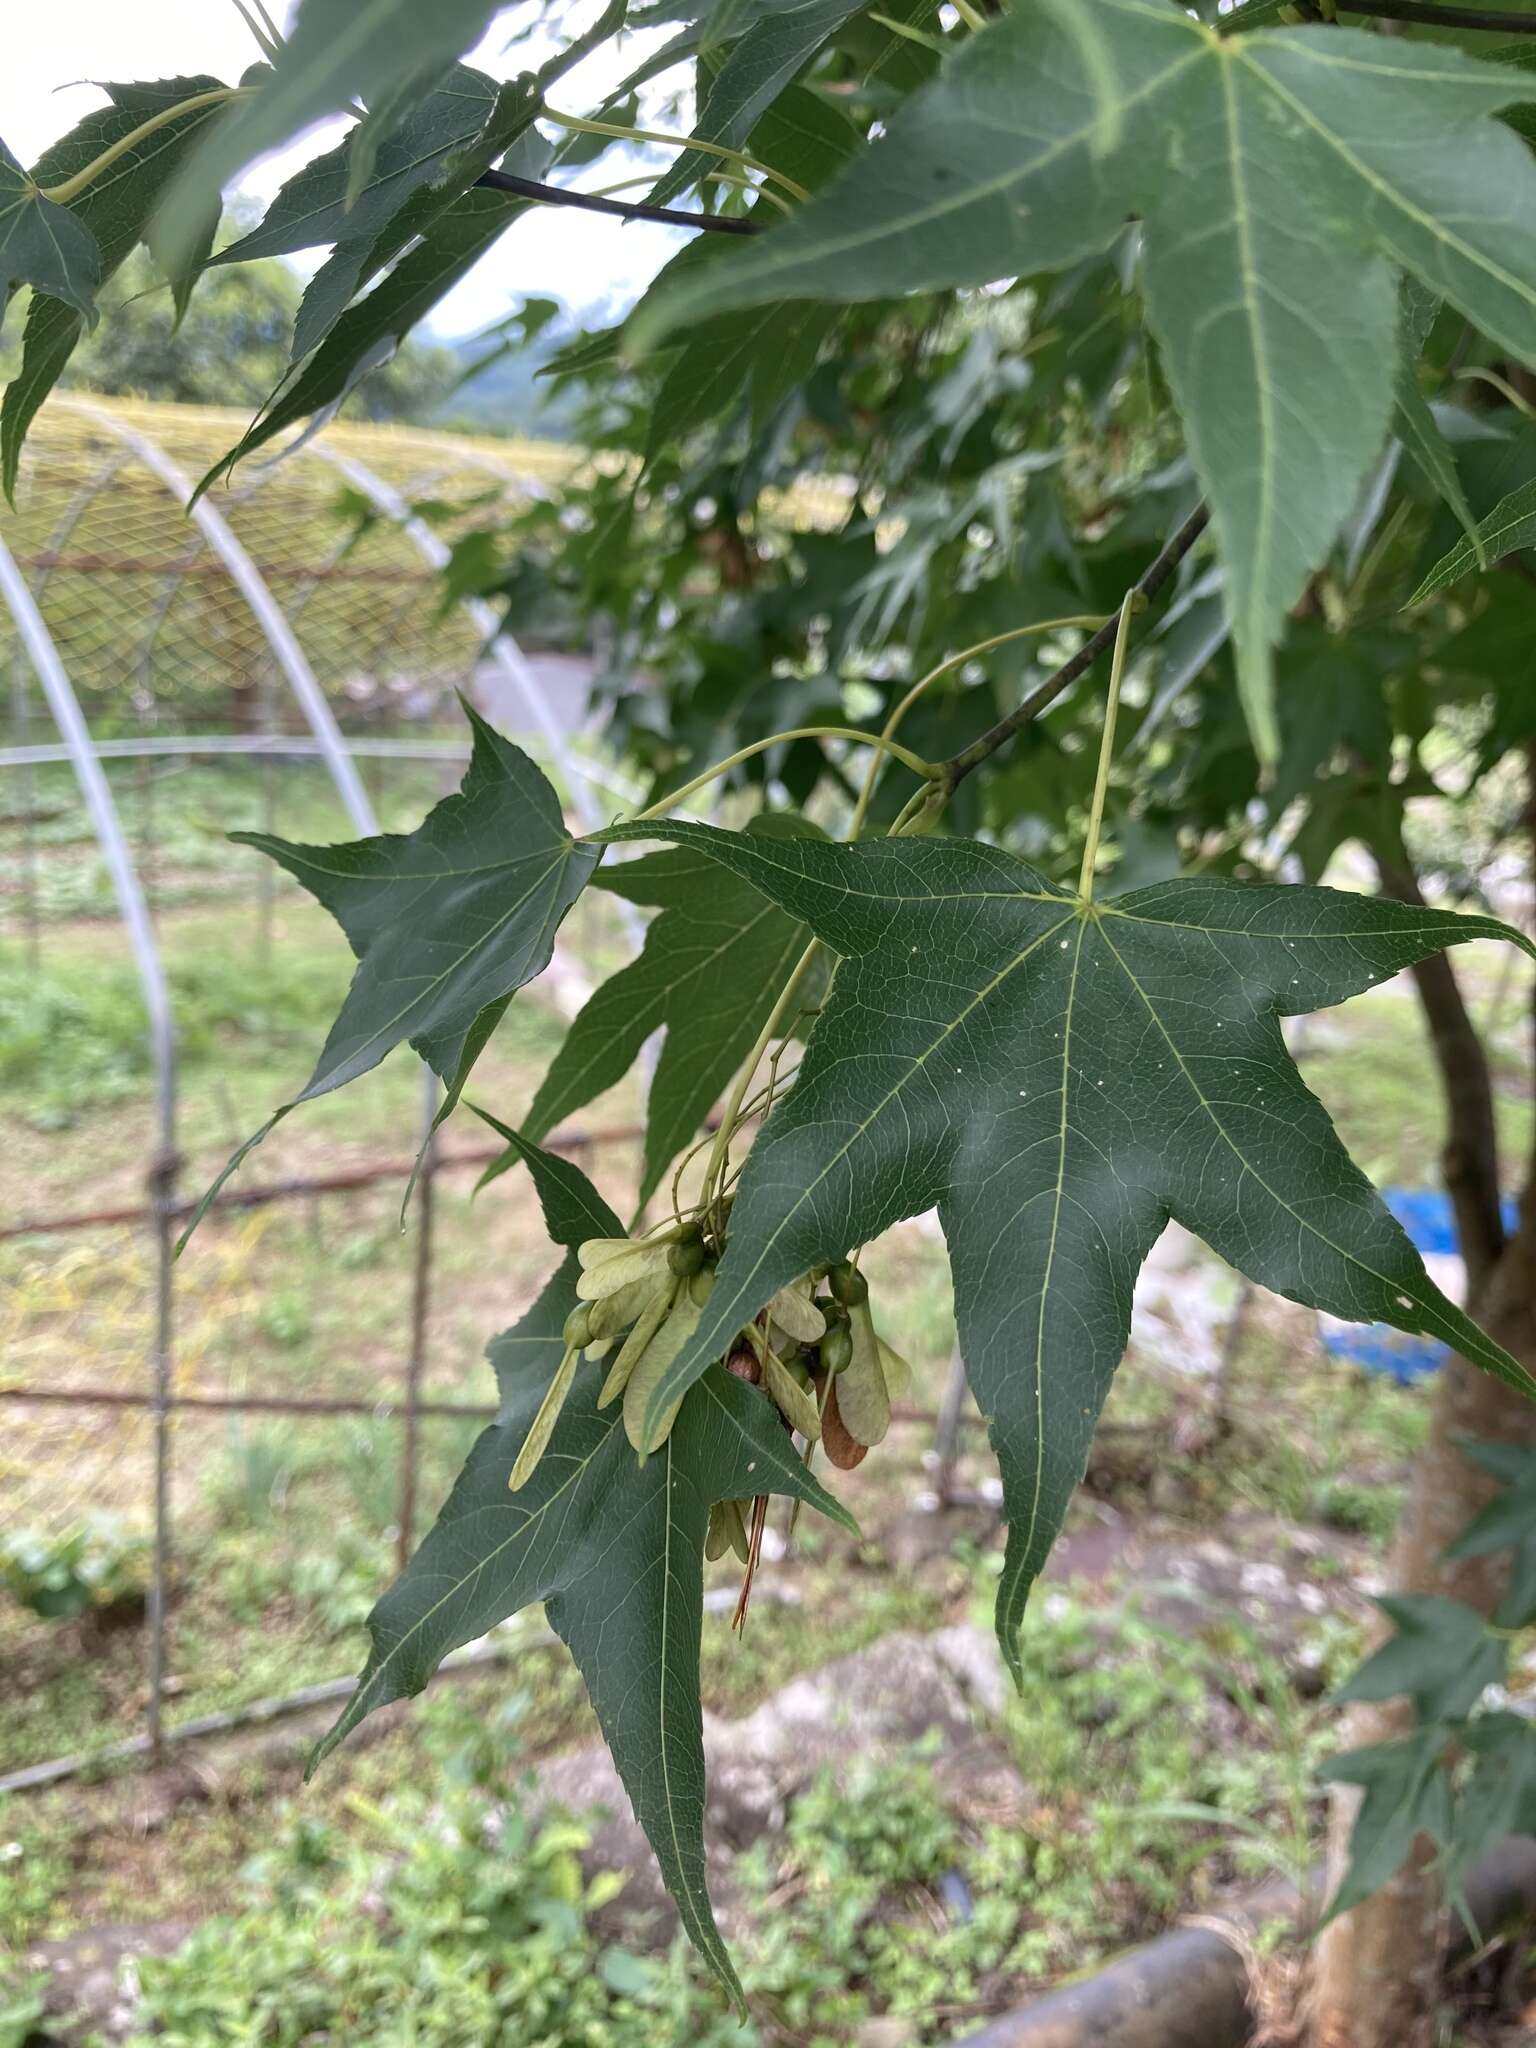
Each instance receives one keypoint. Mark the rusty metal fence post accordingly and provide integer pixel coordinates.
(946, 1434)
(162, 1194)
(94, 788)
(421, 1309)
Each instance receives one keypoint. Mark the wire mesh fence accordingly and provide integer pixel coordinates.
(293, 621)
(280, 661)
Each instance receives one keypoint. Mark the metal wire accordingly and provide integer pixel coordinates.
(126, 614)
(122, 597)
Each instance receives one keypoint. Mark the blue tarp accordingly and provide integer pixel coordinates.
(1425, 1213)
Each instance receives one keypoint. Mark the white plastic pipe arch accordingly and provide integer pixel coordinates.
(266, 610)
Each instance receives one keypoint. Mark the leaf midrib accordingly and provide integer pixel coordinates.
(1488, 928)
(705, 1933)
(1452, 1334)
(492, 867)
(1258, 606)
(1438, 230)
(392, 1024)
(1010, 1580)
(665, 1391)
(971, 194)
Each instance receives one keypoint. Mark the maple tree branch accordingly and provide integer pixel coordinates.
(1469, 1162)
(1443, 17)
(621, 209)
(954, 771)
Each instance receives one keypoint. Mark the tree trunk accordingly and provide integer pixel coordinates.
(1377, 1976)
(1378, 1968)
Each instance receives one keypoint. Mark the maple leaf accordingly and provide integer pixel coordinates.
(43, 245)
(614, 1549)
(447, 922)
(713, 963)
(1282, 178)
(1060, 1079)
(102, 225)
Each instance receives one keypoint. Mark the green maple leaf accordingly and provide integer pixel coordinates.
(1060, 1079)
(43, 245)
(1507, 1523)
(358, 257)
(1440, 1655)
(335, 52)
(1405, 1792)
(447, 922)
(614, 1549)
(712, 965)
(115, 211)
(318, 204)
(1283, 179)
(366, 334)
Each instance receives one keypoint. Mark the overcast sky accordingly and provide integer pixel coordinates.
(582, 259)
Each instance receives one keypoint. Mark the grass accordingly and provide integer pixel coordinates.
(1153, 1772)
(1372, 1066)
(1153, 1768)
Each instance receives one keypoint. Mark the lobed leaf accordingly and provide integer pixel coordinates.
(336, 52)
(1440, 1655)
(615, 1551)
(43, 245)
(318, 204)
(447, 922)
(1507, 1523)
(368, 333)
(713, 963)
(1405, 1793)
(118, 209)
(357, 258)
(1276, 312)
(1060, 1080)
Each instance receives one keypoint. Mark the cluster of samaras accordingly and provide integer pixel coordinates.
(814, 1351)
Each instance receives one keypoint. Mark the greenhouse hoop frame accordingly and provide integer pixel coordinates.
(131, 448)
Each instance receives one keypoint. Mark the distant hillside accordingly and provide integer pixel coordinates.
(508, 397)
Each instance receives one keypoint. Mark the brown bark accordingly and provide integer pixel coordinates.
(1196, 1986)
(1469, 1162)
(1378, 1969)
